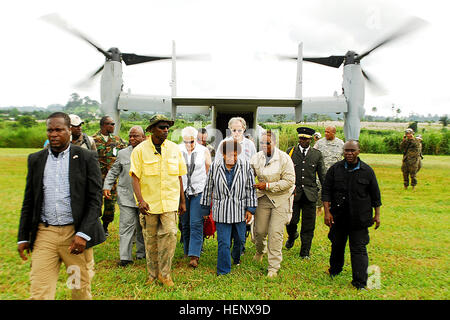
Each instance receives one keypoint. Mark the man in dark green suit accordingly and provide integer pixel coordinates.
(307, 162)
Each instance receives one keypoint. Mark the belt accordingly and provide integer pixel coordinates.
(193, 195)
(55, 225)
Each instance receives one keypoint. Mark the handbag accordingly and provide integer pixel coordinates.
(209, 226)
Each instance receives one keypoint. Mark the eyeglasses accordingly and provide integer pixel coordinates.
(163, 127)
(189, 142)
(110, 124)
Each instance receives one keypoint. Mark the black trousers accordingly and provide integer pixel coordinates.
(308, 225)
(358, 252)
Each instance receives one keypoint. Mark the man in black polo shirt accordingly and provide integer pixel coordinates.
(349, 194)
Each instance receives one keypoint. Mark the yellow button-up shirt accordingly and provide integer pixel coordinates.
(158, 174)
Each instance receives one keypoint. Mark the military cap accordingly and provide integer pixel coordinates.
(75, 120)
(409, 130)
(304, 132)
(158, 118)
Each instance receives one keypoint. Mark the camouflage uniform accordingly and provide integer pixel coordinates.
(332, 152)
(83, 141)
(107, 153)
(411, 160)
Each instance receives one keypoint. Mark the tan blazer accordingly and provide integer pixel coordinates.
(279, 173)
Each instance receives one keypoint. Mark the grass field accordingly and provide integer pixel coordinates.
(411, 248)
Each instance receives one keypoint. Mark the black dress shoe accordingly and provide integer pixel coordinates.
(124, 263)
(290, 241)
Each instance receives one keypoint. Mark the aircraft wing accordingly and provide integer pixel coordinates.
(240, 101)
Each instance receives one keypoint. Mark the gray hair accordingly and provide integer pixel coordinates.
(138, 128)
(244, 124)
(189, 132)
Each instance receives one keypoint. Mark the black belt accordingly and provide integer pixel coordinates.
(192, 195)
(55, 225)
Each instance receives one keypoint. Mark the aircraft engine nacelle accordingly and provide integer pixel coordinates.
(135, 102)
(353, 85)
(110, 88)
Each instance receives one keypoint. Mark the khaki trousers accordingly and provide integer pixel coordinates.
(160, 238)
(271, 221)
(50, 249)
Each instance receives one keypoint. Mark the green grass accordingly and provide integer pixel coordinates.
(411, 247)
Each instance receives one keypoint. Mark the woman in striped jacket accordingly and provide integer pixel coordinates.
(230, 188)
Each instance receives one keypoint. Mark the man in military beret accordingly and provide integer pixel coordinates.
(411, 148)
(107, 147)
(308, 163)
(157, 166)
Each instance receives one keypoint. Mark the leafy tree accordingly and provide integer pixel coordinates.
(27, 121)
(279, 117)
(444, 120)
(134, 116)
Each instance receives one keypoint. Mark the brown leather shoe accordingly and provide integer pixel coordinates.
(194, 262)
(167, 281)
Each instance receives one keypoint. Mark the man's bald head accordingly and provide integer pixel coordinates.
(330, 132)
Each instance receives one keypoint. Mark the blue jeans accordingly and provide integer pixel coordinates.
(192, 226)
(224, 233)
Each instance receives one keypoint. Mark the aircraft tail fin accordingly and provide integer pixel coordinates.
(174, 70)
(298, 82)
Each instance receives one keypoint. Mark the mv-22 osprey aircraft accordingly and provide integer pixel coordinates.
(350, 102)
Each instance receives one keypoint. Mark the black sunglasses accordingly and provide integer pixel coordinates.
(110, 124)
(164, 127)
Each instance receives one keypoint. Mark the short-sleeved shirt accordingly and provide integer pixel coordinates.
(159, 174)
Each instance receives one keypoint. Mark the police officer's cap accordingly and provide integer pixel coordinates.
(305, 132)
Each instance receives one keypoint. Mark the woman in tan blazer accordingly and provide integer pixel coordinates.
(275, 173)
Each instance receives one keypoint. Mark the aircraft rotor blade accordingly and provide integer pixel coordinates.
(131, 58)
(87, 82)
(410, 26)
(56, 20)
(374, 85)
(331, 61)
(194, 57)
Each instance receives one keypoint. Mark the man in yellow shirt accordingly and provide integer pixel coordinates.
(157, 166)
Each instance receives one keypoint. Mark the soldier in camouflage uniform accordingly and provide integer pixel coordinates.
(411, 148)
(107, 147)
(332, 149)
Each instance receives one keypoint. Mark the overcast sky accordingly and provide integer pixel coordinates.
(42, 64)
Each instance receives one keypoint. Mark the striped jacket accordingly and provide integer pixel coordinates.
(229, 206)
